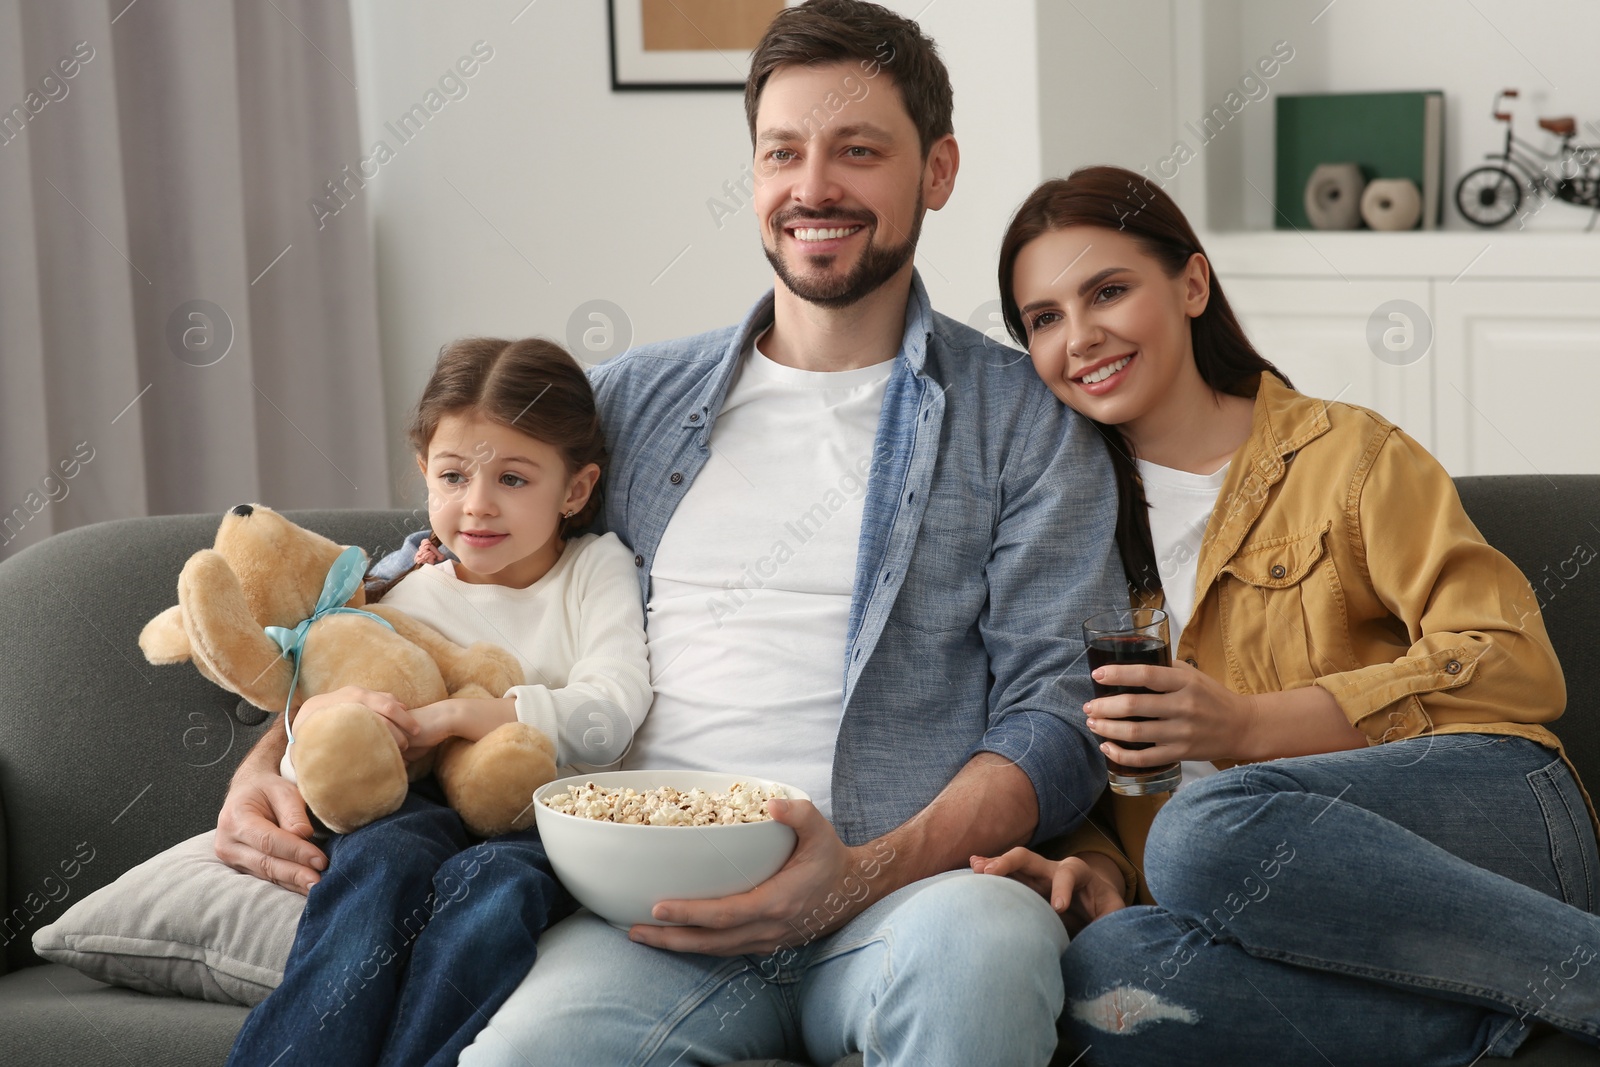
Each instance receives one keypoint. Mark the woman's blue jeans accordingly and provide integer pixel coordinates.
(1418, 903)
(411, 941)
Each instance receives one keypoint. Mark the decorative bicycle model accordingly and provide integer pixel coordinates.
(1491, 194)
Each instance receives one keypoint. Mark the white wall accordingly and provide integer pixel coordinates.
(541, 189)
(1106, 74)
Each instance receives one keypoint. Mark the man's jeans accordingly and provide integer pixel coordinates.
(958, 969)
(412, 939)
(1401, 904)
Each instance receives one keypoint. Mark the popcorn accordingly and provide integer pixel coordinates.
(666, 806)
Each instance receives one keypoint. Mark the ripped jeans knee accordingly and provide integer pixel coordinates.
(1123, 975)
(1126, 1009)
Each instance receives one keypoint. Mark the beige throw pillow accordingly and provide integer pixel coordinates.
(184, 923)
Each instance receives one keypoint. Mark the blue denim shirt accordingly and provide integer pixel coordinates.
(986, 540)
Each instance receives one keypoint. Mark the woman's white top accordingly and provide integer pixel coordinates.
(1180, 507)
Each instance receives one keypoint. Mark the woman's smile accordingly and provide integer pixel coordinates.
(1105, 375)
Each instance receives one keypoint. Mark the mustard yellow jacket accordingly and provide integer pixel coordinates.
(1339, 555)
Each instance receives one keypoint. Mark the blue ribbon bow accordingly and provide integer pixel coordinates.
(340, 585)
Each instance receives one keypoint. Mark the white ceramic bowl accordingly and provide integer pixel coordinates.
(620, 871)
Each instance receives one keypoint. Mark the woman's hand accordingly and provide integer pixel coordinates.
(1080, 888)
(1192, 716)
(402, 725)
(1195, 717)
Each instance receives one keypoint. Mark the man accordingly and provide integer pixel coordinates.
(866, 536)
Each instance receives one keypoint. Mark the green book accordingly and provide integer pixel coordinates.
(1391, 135)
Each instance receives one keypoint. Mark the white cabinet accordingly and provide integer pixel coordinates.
(1511, 381)
(1517, 377)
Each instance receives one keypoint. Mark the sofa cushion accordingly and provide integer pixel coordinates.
(184, 923)
(56, 1017)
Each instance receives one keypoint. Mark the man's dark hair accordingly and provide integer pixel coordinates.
(832, 31)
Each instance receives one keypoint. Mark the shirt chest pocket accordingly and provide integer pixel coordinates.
(1283, 614)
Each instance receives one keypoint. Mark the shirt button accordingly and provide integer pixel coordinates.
(1453, 667)
(695, 417)
(1190, 661)
(1279, 570)
(638, 561)
(676, 479)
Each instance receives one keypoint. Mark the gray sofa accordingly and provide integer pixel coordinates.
(97, 746)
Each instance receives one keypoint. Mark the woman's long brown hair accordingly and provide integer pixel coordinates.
(532, 386)
(1112, 198)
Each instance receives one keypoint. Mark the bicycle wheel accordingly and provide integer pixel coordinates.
(1488, 195)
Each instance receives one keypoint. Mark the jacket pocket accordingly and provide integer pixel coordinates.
(1283, 612)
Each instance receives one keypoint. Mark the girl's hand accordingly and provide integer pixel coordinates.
(436, 722)
(1192, 716)
(1081, 888)
(467, 717)
(402, 726)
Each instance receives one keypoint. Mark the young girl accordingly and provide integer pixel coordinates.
(416, 934)
(1416, 887)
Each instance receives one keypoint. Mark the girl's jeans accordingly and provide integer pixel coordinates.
(413, 938)
(1421, 902)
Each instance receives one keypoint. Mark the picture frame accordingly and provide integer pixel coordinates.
(698, 45)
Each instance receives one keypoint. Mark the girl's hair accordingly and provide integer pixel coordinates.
(1112, 198)
(532, 386)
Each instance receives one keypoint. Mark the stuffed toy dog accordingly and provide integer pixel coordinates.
(274, 613)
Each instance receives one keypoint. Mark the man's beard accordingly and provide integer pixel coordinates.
(877, 265)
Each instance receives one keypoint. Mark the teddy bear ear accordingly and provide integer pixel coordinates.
(163, 638)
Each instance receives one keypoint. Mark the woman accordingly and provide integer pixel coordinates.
(1417, 886)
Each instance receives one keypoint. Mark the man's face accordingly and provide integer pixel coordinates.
(840, 176)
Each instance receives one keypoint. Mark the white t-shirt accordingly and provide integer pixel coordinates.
(577, 632)
(1180, 507)
(751, 585)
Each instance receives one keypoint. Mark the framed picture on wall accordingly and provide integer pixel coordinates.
(685, 44)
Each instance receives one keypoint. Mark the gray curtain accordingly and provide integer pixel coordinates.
(179, 329)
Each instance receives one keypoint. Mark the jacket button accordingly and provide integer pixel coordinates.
(638, 561)
(676, 479)
(1453, 667)
(1279, 570)
(1190, 661)
(695, 417)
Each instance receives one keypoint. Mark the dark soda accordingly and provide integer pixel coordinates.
(1128, 648)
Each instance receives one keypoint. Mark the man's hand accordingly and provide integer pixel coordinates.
(824, 885)
(263, 829)
(1080, 888)
(990, 804)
